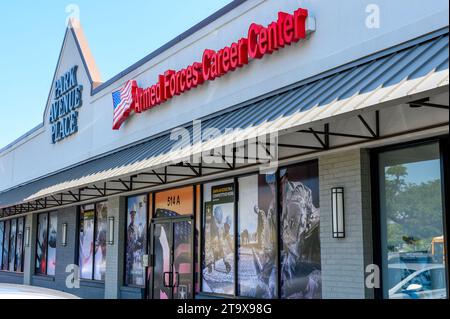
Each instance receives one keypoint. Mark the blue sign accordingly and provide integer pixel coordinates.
(67, 99)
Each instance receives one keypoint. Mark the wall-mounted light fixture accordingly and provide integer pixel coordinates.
(64, 235)
(27, 237)
(111, 230)
(337, 212)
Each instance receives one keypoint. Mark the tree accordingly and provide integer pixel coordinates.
(414, 209)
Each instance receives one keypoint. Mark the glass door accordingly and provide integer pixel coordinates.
(172, 259)
(412, 218)
(162, 260)
(182, 265)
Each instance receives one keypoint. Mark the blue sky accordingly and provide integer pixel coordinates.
(119, 33)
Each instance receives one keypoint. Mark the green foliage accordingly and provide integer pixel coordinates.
(414, 211)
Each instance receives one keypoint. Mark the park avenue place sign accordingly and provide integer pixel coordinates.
(288, 29)
(67, 99)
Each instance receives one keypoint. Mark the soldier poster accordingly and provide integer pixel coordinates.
(86, 250)
(136, 240)
(299, 224)
(100, 241)
(257, 267)
(218, 269)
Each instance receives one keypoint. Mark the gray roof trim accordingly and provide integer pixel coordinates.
(216, 15)
(373, 57)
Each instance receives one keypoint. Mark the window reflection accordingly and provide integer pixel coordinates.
(412, 223)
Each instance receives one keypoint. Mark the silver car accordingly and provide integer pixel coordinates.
(425, 283)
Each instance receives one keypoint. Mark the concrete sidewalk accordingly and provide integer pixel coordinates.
(9, 291)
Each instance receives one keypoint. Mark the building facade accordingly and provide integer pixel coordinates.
(278, 149)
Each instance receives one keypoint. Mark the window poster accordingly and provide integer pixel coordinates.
(100, 241)
(257, 230)
(52, 238)
(150, 270)
(197, 231)
(86, 238)
(19, 249)
(299, 224)
(174, 202)
(218, 268)
(2, 233)
(6, 245)
(42, 244)
(136, 240)
(162, 251)
(12, 244)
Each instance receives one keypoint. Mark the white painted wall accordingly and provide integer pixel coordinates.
(341, 37)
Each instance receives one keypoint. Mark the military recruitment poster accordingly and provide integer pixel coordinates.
(218, 270)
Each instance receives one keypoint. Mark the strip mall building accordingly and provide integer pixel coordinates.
(277, 149)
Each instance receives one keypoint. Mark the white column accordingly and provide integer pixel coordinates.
(344, 260)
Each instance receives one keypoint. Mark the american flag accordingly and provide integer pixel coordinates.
(123, 103)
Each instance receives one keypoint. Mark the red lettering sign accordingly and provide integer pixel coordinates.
(288, 29)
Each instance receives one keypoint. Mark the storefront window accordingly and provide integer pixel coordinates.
(150, 270)
(300, 232)
(86, 238)
(263, 226)
(41, 245)
(412, 223)
(198, 254)
(257, 230)
(101, 218)
(46, 244)
(219, 248)
(92, 241)
(136, 239)
(6, 246)
(19, 244)
(11, 245)
(2, 233)
(52, 238)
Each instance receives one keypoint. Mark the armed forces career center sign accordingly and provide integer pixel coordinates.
(67, 99)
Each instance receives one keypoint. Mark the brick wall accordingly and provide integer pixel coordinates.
(344, 260)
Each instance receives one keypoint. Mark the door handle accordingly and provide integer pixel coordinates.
(170, 279)
(177, 279)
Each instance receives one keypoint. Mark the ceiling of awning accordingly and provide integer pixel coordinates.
(403, 71)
